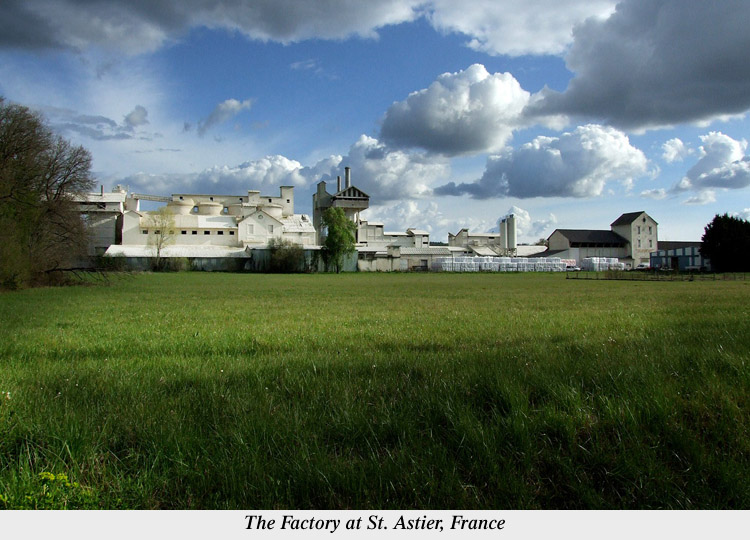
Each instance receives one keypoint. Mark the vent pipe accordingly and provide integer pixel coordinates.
(338, 184)
(348, 176)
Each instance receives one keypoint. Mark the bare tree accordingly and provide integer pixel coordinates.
(40, 173)
(161, 233)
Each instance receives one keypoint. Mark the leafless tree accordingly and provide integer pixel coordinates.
(41, 229)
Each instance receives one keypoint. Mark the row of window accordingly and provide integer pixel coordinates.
(650, 229)
(206, 233)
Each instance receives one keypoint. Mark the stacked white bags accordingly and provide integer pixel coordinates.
(497, 264)
(601, 264)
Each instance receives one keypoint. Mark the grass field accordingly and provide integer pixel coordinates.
(197, 390)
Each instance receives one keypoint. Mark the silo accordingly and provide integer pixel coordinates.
(512, 241)
(504, 234)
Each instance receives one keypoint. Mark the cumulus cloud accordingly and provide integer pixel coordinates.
(222, 112)
(576, 164)
(722, 164)
(269, 172)
(137, 117)
(118, 24)
(460, 113)
(387, 174)
(516, 28)
(492, 26)
(423, 215)
(528, 229)
(704, 197)
(384, 174)
(656, 63)
(744, 214)
(655, 194)
(675, 150)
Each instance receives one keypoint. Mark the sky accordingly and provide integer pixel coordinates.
(450, 114)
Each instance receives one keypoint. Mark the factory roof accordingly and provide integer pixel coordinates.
(577, 237)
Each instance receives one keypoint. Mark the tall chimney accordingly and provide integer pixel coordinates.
(338, 183)
(348, 176)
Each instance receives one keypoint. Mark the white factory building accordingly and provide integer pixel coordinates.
(216, 227)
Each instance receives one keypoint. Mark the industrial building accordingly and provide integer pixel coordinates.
(214, 229)
(631, 239)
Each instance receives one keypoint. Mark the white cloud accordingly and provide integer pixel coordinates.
(704, 197)
(516, 28)
(722, 164)
(424, 215)
(137, 117)
(576, 164)
(655, 194)
(528, 229)
(675, 150)
(460, 113)
(657, 63)
(222, 112)
(387, 175)
(744, 214)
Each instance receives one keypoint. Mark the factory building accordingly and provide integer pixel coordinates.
(631, 239)
(502, 243)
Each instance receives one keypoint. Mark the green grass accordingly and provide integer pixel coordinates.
(198, 390)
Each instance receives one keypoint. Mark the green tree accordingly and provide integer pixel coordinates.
(161, 233)
(286, 256)
(41, 229)
(726, 243)
(340, 238)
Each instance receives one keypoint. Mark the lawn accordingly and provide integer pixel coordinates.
(200, 390)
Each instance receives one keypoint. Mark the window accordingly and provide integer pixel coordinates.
(231, 233)
(195, 232)
(241, 199)
(650, 230)
(157, 231)
(250, 229)
(206, 233)
(181, 197)
(144, 231)
(639, 242)
(220, 233)
(639, 229)
(225, 210)
(650, 243)
(270, 200)
(195, 209)
(288, 201)
(211, 199)
(270, 229)
(184, 232)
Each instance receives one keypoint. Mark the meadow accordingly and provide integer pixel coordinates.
(200, 390)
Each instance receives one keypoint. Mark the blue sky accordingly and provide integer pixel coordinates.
(450, 114)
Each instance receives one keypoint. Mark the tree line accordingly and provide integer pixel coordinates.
(41, 229)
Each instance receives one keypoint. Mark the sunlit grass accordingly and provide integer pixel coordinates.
(431, 390)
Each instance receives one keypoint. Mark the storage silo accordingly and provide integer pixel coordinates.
(504, 234)
(511, 223)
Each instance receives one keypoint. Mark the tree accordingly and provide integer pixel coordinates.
(286, 256)
(161, 233)
(340, 238)
(41, 230)
(726, 243)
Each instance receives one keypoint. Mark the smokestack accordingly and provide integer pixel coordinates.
(348, 176)
(338, 183)
(102, 190)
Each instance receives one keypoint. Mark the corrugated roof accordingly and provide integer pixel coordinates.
(441, 251)
(483, 251)
(667, 245)
(577, 236)
(177, 251)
